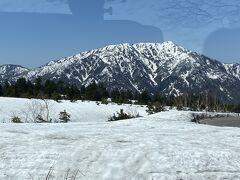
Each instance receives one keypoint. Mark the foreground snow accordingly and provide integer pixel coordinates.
(162, 146)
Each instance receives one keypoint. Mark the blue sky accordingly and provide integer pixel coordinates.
(34, 32)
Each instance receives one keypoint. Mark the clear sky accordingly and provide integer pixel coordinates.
(34, 32)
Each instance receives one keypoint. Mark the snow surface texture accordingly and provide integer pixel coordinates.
(161, 146)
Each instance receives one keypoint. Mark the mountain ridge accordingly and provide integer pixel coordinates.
(166, 68)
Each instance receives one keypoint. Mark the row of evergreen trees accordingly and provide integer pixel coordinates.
(39, 89)
(59, 90)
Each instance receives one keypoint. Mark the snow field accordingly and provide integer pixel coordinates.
(163, 146)
(79, 111)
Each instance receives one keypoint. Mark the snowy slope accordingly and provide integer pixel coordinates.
(157, 67)
(164, 146)
(234, 69)
(11, 72)
(79, 111)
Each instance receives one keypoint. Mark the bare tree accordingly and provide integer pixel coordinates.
(38, 111)
(15, 118)
(48, 105)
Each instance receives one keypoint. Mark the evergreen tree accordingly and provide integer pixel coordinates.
(16, 119)
(30, 89)
(103, 91)
(6, 88)
(21, 86)
(40, 119)
(64, 117)
(83, 90)
(38, 88)
(144, 98)
(49, 88)
(91, 91)
(237, 108)
(96, 92)
(73, 93)
(61, 87)
(129, 94)
(120, 116)
(1, 90)
(115, 96)
(155, 108)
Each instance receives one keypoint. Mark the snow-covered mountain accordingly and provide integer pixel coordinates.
(156, 67)
(11, 72)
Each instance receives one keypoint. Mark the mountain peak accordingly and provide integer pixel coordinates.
(10, 71)
(156, 67)
(171, 43)
(11, 67)
(127, 45)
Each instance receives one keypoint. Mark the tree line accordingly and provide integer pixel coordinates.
(60, 90)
